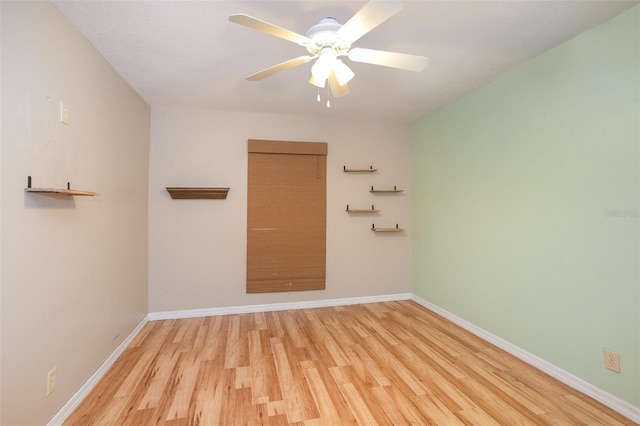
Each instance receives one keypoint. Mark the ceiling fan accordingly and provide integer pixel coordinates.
(328, 41)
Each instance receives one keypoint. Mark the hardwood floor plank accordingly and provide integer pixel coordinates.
(445, 367)
(390, 409)
(153, 343)
(519, 395)
(372, 366)
(215, 342)
(325, 374)
(476, 416)
(161, 373)
(275, 408)
(247, 413)
(321, 397)
(326, 344)
(139, 339)
(343, 336)
(234, 343)
(136, 375)
(497, 408)
(359, 368)
(357, 405)
(260, 321)
(224, 411)
(292, 325)
(187, 332)
(259, 364)
(269, 371)
(347, 376)
(105, 405)
(383, 356)
(447, 347)
(182, 387)
(591, 414)
(488, 377)
(433, 382)
(274, 324)
(206, 399)
(100, 414)
(243, 377)
(293, 400)
(436, 411)
(380, 330)
(381, 363)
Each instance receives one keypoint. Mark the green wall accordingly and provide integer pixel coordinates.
(525, 206)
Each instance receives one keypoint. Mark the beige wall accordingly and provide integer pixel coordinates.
(197, 248)
(74, 272)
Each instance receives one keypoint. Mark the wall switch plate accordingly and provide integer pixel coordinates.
(612, 360)
(64, 113)
(51, 380)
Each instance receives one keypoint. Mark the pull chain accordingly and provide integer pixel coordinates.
(319, 98)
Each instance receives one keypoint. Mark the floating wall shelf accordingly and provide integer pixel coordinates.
(396, 229)
(386, 190)
(371, 210)
(369, 170)
(183, 193)
(59, 191)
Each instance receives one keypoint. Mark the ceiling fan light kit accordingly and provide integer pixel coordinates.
(329, 40)
(343, 72)
(322, 67)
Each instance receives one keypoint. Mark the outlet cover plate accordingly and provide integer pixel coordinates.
(64, 113)
(612, 360)
(51, 380)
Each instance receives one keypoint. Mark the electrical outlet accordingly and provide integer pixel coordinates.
(612, 360)
(51, 380)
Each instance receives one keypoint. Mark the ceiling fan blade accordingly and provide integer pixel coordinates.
(337, 89)
(280, 67)
(370, 16)
(402, 61)
(265, 27)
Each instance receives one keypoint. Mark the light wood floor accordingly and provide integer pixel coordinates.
(379, 363)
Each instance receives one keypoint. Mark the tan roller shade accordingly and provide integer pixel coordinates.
(286, 216)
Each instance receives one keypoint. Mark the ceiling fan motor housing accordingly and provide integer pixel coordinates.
(324, 34)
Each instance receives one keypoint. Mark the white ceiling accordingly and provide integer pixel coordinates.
(187, 53)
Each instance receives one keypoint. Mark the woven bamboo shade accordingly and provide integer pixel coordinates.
(286, 216)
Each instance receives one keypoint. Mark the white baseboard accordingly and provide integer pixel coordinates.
(84, 390)
(611, 401)
(193, 313)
